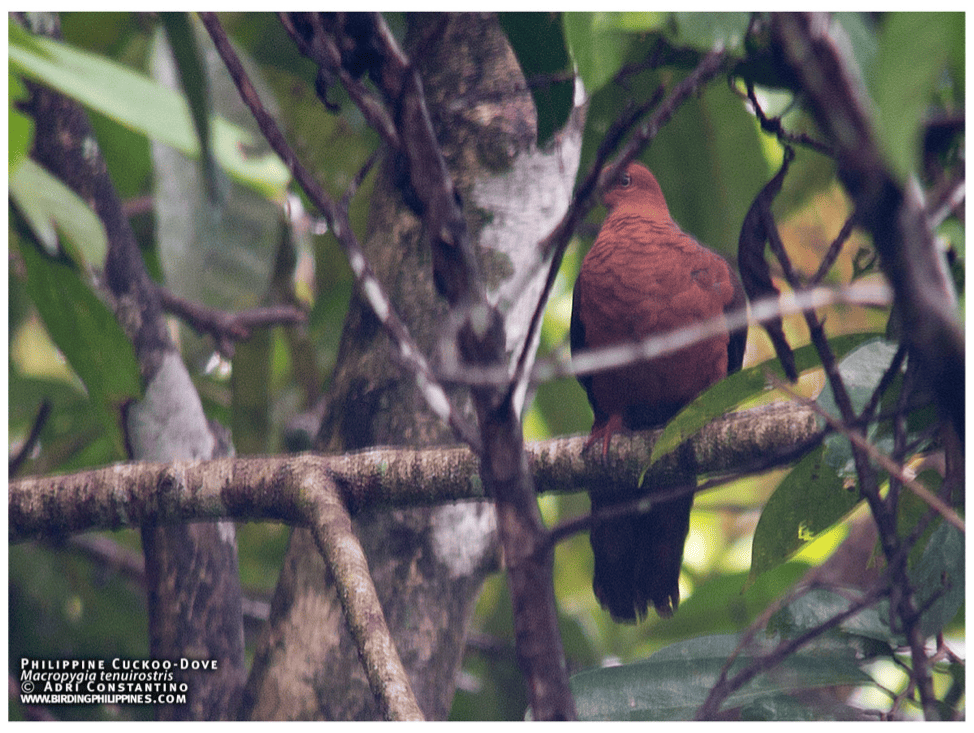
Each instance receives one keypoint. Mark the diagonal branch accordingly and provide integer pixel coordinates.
(610, 357)
(331, 526)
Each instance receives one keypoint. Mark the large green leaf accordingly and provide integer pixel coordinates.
(136, 101)
(738, 388)
(700, 162)
(809, 500)
(939, 578)
(813, 496)
(675, 681)
(87, 333)
(859, 632)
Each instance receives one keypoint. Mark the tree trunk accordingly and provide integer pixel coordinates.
(429, 563)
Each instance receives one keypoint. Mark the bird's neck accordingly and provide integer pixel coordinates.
(655, 213)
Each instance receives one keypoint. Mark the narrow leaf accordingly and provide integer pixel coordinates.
(20, 127)
(134, 100)
(192, 77)
(49, 206)
(738, 388)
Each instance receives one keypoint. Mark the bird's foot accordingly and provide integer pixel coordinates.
(604, 432)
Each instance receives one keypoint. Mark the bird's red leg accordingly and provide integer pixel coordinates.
(604, 432)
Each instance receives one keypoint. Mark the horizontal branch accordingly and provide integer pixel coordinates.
(227, 327)
(282, 488)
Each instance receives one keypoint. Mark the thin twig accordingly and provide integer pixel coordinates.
(611, 357)
(833, 251)
(226, 327)
(773, 125)
(17, 460)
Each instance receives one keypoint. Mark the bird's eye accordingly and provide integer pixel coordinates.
(626, 180)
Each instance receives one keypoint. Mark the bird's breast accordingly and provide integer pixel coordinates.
(644, 278)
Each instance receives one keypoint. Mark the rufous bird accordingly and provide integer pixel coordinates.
(645, 276)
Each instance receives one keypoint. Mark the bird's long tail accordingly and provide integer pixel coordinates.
(638, 559)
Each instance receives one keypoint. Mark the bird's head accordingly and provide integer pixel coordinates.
(637, 188)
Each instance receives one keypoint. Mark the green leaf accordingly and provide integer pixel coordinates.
(192, 77)
(20, 127)
(87, 333)
(809, 501)
(675, 681)
(939, 579)
(709, 186)
(49, 206)
(136, 101)
(861, 371)
(706, 31)
(738, 388)
(818, 606)
(914, 50)
(538, 40)
(598, 46)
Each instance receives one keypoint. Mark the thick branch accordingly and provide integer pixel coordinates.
(332, 529)
(275, 488)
